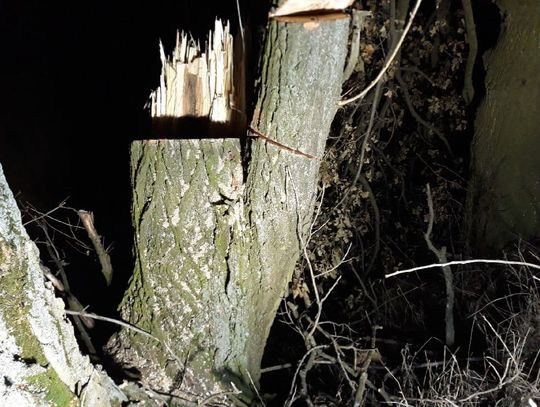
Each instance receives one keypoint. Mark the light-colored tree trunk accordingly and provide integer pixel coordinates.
(218, 231)
(40, 361)
(504, 199)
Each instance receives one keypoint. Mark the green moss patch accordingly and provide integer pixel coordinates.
(56, 390)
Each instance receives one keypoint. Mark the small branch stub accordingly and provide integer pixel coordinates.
(87, 219)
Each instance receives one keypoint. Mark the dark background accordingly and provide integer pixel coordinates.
(74, 79)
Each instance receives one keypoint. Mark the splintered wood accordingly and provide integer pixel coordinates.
(198, 82)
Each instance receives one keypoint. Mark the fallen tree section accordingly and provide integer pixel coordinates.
(40, 361)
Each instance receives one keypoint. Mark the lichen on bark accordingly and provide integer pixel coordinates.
(40, 362)
(184, 196)
(215, 252)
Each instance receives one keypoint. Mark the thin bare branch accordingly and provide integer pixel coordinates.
(463, 262)
(388, 61)
(448, 277)
(87, 219)
(46, 214)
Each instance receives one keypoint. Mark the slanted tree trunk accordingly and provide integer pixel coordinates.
(218, 229)
(504, 199)
(40, 361)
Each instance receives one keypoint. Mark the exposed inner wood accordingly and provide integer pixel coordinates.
(197, 83)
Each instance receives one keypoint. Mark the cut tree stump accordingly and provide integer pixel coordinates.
(220, 219)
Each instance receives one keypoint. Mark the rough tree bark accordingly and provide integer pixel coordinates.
(504, 199)
(40, 361)
(218, 233)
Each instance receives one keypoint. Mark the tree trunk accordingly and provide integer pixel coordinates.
(40, 362)
(504, 199)
(215, 248)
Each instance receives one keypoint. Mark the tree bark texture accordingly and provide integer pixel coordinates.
(504, 200)
(218, 233)
(40, 361)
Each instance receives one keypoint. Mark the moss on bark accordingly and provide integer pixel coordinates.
(215, 252)
(40, 362)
